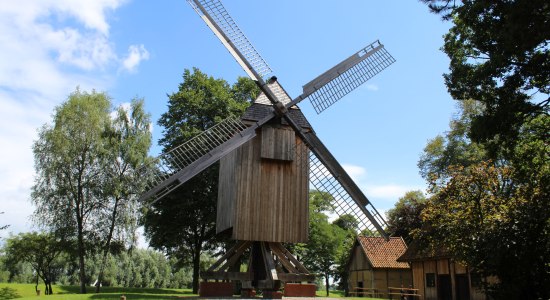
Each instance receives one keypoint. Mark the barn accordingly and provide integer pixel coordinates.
(373, 267)
(438, 277)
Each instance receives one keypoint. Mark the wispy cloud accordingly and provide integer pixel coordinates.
(48, 48)
(386, 192)
(136, 54)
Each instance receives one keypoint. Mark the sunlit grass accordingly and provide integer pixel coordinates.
(62, 292)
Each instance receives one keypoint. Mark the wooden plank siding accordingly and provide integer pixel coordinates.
(269, 195)
(278, 143)
(442, 266)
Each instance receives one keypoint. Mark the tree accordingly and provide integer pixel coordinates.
(405, 216)
(453, 148)
(499, 55)
(78, 180)
(183, 223)
(349, 224)
(325, 240)
(128, 141)
(67, 163)
(38, 249)
(492, 216)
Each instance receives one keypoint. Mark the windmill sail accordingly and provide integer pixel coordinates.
(220, 22)
(328, 176)
(180, 164)
(343, 78)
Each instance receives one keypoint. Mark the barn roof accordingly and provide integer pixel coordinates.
(384, 254)
(418, 252)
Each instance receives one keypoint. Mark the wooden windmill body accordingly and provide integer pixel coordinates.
(268, 160)
(264, 184)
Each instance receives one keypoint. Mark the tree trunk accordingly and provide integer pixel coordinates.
(327, 283)
(107, 246)
(81, 252)
(196, 268)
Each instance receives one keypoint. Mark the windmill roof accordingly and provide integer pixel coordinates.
(258, 111)
(278, 91)
(384, 254)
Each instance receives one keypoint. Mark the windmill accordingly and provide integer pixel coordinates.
(268, 160)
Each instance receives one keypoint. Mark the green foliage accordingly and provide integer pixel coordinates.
(455, 147)
(405, 216)
(86, 165)
(494, 215)
(499, 55)
(40, 250)
(8, 293)
(327, 243)
(182, 224)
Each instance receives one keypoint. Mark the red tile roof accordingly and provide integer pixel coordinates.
(384, 254)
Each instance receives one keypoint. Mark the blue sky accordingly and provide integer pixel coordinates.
(140, 48)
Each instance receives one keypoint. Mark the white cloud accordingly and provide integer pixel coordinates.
(388, 191)
(371, 87)
(49, 47)
(355, 172)
(385, 191)
(136, 54)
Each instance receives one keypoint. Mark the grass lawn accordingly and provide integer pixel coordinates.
(61, 292)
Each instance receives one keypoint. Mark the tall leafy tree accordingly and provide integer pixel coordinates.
(183, 223)
(78, 161)
(499, 55)
(326, 241)
(68, 165)
(41, 250)
(455, 147)
(405, 216)
(128, 140)
(491, 216)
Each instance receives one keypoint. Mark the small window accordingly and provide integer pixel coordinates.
(430, 279)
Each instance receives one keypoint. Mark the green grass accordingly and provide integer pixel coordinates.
(61, 292)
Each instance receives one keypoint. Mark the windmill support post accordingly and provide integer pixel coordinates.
(270, 266)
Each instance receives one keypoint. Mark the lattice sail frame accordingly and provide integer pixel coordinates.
(345, 77)
(222, 21)
(322, 180)
(169, 164)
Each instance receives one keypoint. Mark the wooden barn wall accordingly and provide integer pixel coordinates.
(418, 277)
(430, 267)
(441, 267)
(365, 276)
(358, 259)
(271, 196)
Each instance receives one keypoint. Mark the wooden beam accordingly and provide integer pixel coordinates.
(236, 255)
(283, 259)
(227, 255)
(291, 257)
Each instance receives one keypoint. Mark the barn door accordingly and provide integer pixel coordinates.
(462, 287)
(444, 287)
